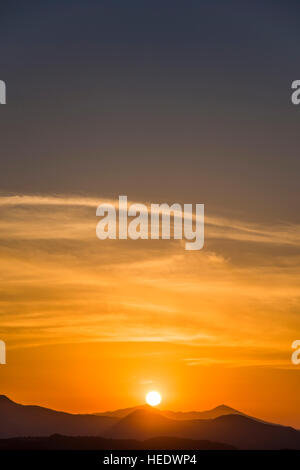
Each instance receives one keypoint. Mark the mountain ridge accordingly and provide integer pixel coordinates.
(230, 428)
(214, 412)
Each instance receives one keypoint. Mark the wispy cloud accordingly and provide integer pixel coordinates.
(59, 281)
(217, 227)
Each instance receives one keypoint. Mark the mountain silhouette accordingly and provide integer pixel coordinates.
(237, 430)
(121, 413)
(220, 410)
(144, 423)
(27, 420)
(180, 415)
(58, 442)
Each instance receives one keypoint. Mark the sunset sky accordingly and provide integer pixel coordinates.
(185, 102)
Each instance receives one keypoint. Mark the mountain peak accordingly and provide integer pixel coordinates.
(4, 398)
(224, 407)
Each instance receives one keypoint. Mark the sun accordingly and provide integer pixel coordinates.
(153, 398)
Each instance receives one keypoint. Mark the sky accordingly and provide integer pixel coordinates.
(184, 102)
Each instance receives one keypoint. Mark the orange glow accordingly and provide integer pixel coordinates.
(91, 325)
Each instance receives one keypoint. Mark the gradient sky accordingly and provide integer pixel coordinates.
(164, 102)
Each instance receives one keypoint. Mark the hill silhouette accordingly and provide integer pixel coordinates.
(220, 410)
(240, 431)
(58, 442)
(141, 424)
(179, 415)
(27, 420)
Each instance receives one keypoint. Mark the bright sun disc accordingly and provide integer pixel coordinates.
(153, 398)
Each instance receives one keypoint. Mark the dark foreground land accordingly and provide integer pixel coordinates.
(58, 442)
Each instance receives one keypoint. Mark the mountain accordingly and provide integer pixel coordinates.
(143, 424)
(237, 430)
(20, 420)
(179, 415)
(121, 413)
(220, 410)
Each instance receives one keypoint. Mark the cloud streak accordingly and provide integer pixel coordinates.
(217, 227)
(59, 281)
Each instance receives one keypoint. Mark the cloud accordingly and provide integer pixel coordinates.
(58, 281)
(217, 227)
